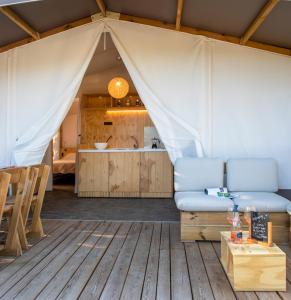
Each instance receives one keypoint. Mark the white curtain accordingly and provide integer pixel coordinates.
(251, 105)
(169, 70)
(37, 87)
(205, 97)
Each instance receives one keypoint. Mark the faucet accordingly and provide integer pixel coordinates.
(135, 145)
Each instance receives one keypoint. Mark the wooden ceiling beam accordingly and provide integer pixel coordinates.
(156, 23)
(179, 14)
(210, 34)
(8, 12)
(102, 7)
(266, 10)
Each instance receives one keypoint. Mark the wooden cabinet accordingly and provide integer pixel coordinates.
(93, 175)
(156, 175)
(125, 174)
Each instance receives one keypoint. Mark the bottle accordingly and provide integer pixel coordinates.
(236, 231)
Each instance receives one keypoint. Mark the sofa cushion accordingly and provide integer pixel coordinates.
(252, 175)
(196, 174)
(199, 201)
(262, 201)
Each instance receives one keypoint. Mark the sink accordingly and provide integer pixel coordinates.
(122, 149)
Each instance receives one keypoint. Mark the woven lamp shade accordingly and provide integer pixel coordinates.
(118, 87)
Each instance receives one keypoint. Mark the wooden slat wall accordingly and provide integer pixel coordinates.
(125, 124)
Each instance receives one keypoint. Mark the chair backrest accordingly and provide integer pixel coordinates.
(18, 179)
(4, 184)
(42, 179)
(252, 175)
(29, 192)
(196, 174)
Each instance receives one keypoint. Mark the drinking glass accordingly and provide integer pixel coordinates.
(230, 215)
(247, 216)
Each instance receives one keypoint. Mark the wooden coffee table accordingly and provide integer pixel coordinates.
(253, 267)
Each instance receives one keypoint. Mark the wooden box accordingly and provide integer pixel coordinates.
(253, 267)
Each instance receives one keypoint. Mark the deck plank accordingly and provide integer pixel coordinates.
(100, 274)
(286, 295)
(58, 282)
(92, 260)
(201, 288)
(150, 281)
(49, 227)
(133, 285)
(180, 281)
(114, 285)
(35, 286)
(219, 283)
(164, 278)
(26, 275)
(268, 296)
(30, 259)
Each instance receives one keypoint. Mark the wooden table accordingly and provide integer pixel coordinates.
(253, 267)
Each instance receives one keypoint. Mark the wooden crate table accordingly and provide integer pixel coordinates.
(253, 267)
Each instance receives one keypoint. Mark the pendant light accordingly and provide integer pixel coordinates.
(118, 87)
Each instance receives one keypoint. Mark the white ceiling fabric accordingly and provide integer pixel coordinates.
(205, 97)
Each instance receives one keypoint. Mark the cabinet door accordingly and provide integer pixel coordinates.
(156, 175)
(124, 174)
(93, 174)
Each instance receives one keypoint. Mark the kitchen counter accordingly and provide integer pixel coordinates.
(121, 150)
(124, 172)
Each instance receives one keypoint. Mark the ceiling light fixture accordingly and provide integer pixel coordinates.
(118, 88)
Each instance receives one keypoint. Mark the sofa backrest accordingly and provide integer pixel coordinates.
(252, 175)
(196, 174)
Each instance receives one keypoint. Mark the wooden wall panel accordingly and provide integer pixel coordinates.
(125, 124)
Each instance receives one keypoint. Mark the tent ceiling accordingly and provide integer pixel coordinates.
(105, 65)
(227, 17)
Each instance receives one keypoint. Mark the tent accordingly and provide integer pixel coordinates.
(206, 97)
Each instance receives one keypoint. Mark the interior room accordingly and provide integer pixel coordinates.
(64, 146)
(108, 146)
(145, 149)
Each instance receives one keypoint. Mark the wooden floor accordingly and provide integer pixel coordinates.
(95, 260)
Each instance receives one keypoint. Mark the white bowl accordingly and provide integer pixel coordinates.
(101, 146)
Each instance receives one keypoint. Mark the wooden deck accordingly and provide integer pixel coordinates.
(103, 260)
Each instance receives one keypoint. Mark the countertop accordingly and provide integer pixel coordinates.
(122, 150)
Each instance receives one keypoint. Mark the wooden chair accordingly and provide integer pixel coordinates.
(36, 229)
(30, 186)
(16, 237)
(4, 185)
(29, 194)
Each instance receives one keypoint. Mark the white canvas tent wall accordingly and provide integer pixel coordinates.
(205, 97)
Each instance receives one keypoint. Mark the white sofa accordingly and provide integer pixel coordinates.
(254, 181)
(191, 177)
